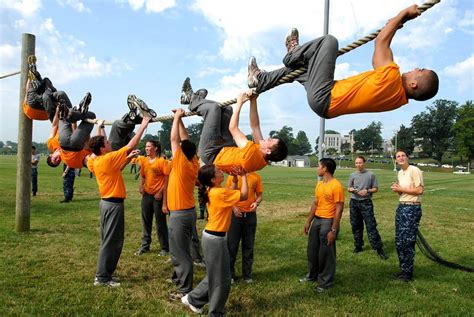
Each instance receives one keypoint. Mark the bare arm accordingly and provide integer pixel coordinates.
(238, 136)
(55, 124)
(136, 138)
(310, 218)
(383, 54)
(410, 191)
(335, 223)
(258, 200)
(183, 133)
(244, 187)
(175, 136)
(254, 119)
(165, 197)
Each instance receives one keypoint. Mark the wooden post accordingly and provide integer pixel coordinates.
(25, 128)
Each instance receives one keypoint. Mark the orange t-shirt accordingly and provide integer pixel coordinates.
(326, 196)
(254, 183)
(70, 158)
(181, 182)
(107, 170)
(153, 173)
(249, 158)
(372, 91)
(53, 143)
(219, 208)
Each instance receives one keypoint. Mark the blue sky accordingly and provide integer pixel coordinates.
(113, 48)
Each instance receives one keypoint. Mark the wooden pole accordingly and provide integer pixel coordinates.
(25, 128)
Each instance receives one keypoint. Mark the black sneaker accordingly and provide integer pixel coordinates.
(186, 92)
(404, 277)
(84, 104)
(33, 73)
(382, 254)
(357, 249)
(292, 40)
(253, 71)
(141, 106)
(63, 111)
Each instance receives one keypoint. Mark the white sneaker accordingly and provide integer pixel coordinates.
(110, 283)
(248, 280)
(185, 301)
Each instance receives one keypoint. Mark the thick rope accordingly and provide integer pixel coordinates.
(297, 72)
(10, 74)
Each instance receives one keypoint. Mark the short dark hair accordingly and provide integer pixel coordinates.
(328, 163)
(50, 162)
(278, 152)
(33, 147)
(400, 150)
(360, 157)
(95, 143)
(205, 175)
(427, 86)
(156, 144)
(189, 149)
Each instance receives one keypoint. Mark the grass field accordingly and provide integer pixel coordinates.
(49, 271)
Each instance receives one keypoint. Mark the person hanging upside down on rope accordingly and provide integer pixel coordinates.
(69, 145)
(382, 89)
(222, 142)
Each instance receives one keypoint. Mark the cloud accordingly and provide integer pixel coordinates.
(26, 8)
(75, 4)
(463, 73)
(467, 22)
(152, 6)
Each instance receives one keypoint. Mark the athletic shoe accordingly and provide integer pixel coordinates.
(405, 277)
(141, 251)
(357, 249)
(145, 111)
(84, 104)
(186, 302)
(292, 40)
(382, 254)
(110, 283)
(248, 280)
(306, 279)
(199, 263)
(176, 295)
(320, 290)
(114, 278)
(186, 92)
(253, 71)
(163, 253)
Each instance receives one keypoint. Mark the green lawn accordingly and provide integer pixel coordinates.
(49, 271)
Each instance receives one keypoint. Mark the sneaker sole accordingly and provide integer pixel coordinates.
(85, 102)
(141, 105)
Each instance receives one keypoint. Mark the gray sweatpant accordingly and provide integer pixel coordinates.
(121, 133)
(75, 140)
(215, 287)
(321, 257)
(180, 232)
(319, 57)
(112, 226)
(215, 130)
(152, 207)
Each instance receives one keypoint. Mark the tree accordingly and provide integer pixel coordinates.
(404, 139)
(194, 131)
(369, 138)
(2, 144)
(302, 143)
(164, 135)
(464, 130)
(346, 148)
(433, 129)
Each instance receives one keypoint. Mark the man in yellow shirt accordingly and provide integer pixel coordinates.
(222, 142)
(382, 89)
(107, 166)
(322, 225)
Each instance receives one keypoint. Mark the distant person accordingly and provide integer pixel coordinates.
(382, 89)
(362, 184)
(153, 185)
(182, 205)
(215, 287)
(322, 226)
(133, 166)
(34, 170)
(410, 189)
(107, 166)
(222, 142)
(243, 225)
(69, 176)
